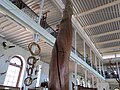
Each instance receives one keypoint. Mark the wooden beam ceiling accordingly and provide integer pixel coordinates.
(105, 33)
(102, 23)
(108, 41)
(98, 8)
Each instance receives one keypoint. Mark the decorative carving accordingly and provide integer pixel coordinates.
(7, 46)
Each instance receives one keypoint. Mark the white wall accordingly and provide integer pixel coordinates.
(114, 86)
(103, 85)
(25, 54)
(8, 53)
(44, 71)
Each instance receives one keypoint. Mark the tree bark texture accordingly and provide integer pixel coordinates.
(59, 65)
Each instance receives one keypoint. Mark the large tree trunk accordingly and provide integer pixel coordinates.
(59, 65)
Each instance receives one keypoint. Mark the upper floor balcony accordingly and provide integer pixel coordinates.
(23, 7)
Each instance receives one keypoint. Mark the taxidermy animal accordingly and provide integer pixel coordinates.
(7, 46)
(3, 73)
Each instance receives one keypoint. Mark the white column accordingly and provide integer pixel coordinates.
(96, 62)
(75, 41)
(75, 75)
(99, 66)
(97, 84)
(118, 70)
(85, 78)
(91, 57)
(75, 61)
(117, 62)
(41, 8)
(103, 70)
(92, 81)
(84, 50)
(38, 76)
(36, 38)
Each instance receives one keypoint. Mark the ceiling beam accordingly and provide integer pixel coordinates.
(98, 8)
(33, 2)
(111, 52)
(106, 33)
(101, 23)
(109, 48)
(105, 42)
(117, 59)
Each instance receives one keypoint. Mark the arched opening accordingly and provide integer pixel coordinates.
(14, 72)
(116, 89)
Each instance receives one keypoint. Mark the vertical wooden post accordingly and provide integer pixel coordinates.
(59, 65)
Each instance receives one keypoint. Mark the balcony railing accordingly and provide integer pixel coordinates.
(22, 6)
(111, 75)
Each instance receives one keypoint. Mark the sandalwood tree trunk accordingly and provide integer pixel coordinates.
(59, 65)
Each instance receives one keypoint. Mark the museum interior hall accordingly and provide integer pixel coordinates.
(59, 44)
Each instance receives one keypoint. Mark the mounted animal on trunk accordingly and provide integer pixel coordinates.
(59, 65)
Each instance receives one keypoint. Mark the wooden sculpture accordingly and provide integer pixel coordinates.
(59, 65)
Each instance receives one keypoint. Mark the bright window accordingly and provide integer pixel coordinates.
(117, 55)
(83, 83)
(78, 82)
(14, 72)
(39, 73)
(108, 56)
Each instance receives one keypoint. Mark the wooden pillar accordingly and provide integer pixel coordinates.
(59, 65)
